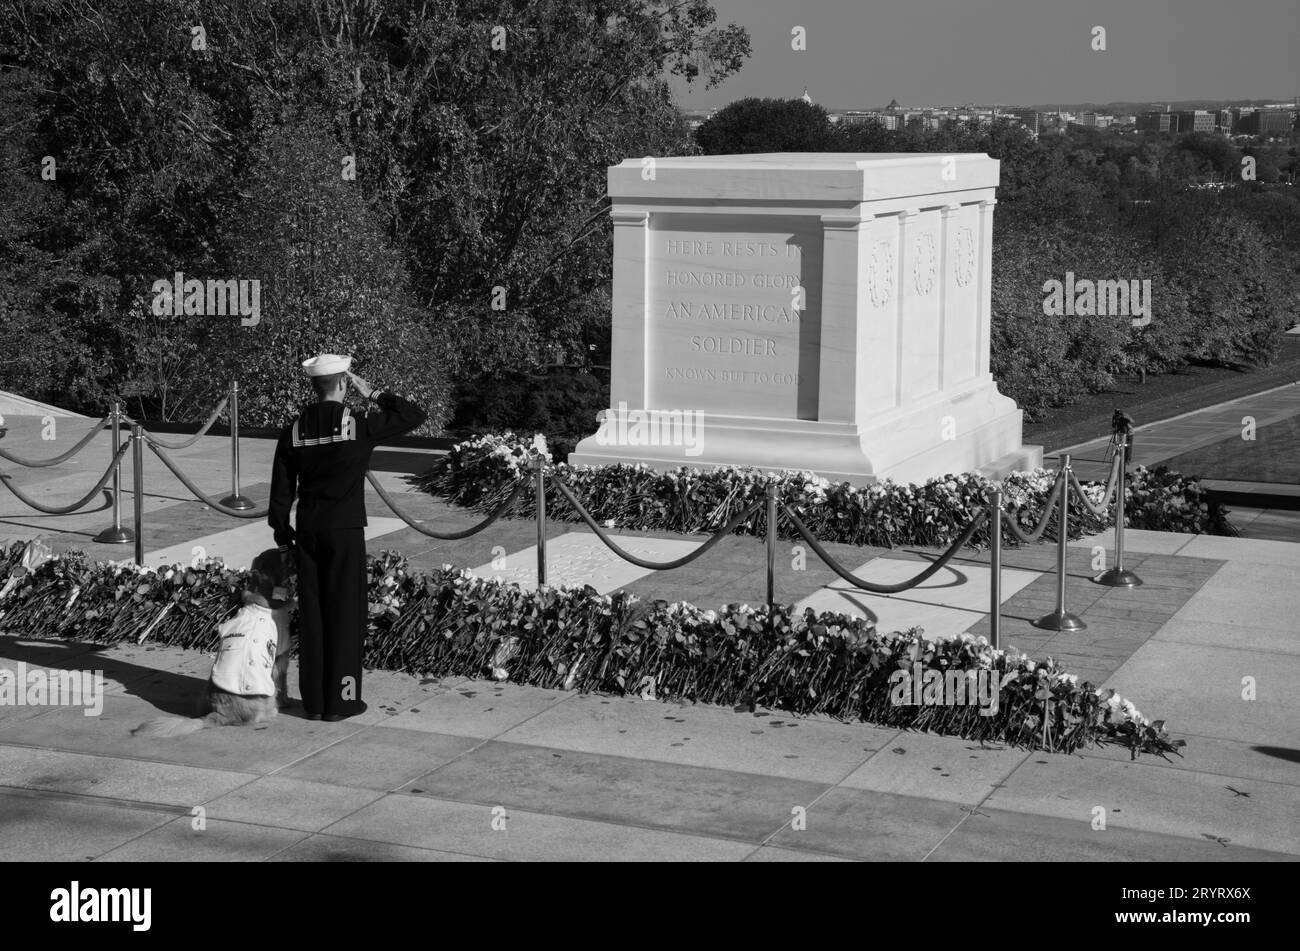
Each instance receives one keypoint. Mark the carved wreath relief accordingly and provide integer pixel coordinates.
(925, 263)
(964, 262)
(880, 273)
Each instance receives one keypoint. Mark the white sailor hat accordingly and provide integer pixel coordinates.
(326, 363)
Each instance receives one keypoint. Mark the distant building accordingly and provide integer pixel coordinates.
(859, 117)
(1194, 121)
(1237, 115)
(1029, 118)
(805, 97)
(1094, 120)
(1157, 122)
(1266, 122)
(697, 118)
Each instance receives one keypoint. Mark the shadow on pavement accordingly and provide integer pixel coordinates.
(175, 694)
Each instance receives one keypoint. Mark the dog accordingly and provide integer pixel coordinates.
(247, 684)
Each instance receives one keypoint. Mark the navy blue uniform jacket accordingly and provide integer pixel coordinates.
(323, 455)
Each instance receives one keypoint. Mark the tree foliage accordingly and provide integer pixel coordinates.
(766, 125)
(481, 133)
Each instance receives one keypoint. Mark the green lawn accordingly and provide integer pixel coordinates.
(1274, 456)
(1161, 397)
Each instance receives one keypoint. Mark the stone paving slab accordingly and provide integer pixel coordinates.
(1146, 798)
(289, 803)
(219, 841)
(479, 709)
(996, 835)
(110, 778)
(380, 758)
(239, 546)
(252, 750)
(337, 848)
(873, 826)
(40, 827)
(1200, 689)
(431, 823)
(1251, 550)
(1208, 754)
(630, 792)
(944, 605)
(937, 767)
(1234, 633)
(575, 559)
(769, 853)
(1269, 589)
(770, 742)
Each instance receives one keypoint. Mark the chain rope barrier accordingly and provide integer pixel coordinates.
(872, 587)
(68, 509)
(1103, 510)
(45, 463)
(449, 536)
(199, 494)
(1031, 538)
(656, 565)
(216, 414)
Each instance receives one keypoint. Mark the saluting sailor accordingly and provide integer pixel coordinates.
(323, 457)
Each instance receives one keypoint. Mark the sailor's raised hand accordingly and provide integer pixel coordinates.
(364, 388)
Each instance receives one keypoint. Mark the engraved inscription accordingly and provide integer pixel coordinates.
(734, 315)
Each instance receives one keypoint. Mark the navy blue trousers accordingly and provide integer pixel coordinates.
(332, 615)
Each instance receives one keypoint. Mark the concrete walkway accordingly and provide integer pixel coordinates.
(1165, 439)
(468, 770)
(1154, 442)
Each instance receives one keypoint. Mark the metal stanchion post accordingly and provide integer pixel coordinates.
(995, 566)
(137, 466)
(234, 500)
(115, 534)
(1061, 619)
(1118, 576)
(541, 524)
(771, 546)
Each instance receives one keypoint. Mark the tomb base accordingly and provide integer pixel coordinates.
(977, 429)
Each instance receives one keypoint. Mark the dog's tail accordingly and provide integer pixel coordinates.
(170, 726)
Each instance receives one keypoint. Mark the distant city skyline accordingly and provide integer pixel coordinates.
(1119, 107)
(1012, 52)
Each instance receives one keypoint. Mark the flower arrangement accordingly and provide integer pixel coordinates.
(480, 473)
(448, 622)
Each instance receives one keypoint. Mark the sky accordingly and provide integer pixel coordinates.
(862, 53)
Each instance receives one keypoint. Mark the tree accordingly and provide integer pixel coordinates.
(52, 298)
(767, 125)
(481, 134)
(329, 283)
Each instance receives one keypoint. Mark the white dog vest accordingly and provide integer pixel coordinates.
(250, 642)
